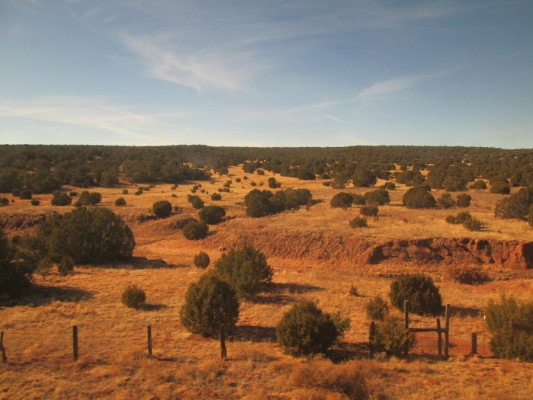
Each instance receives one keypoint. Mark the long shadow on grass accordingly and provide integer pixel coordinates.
(292, 288)
(464, 312)
(253, 333)
(43, 295)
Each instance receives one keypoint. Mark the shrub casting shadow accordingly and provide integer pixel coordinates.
(42, 295)
(153, 307)
(145, 263)
(293, 288)
(253, 333)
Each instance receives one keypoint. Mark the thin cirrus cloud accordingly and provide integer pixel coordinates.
(87, 112)
(218, 68)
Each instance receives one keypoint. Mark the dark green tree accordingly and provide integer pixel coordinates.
(419, 197)
(378, 196)
(419, 289)
(246, 269)
(463, 200)
(195, 230)
(162, 208)
(61, 199)
(201, 260)
(305, 330)
(14, 278)
(211, 309)
(212, 215)
(342, 200)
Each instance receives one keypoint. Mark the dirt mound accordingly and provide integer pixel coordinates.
(19, 221)
(367, 250)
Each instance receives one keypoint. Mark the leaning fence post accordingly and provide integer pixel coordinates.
(439, 337)
(474, 343)
(149, 329)
(447, 330)
(2, 348)
(406, 321)
(371, 338)
(75, 342)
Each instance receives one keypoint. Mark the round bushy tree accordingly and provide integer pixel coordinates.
(133, 297)
(212, 214)
(363, 178)
(305, 329)
(211, 309)
(389, 186)
(419, 197)
(61, 199)
(89, 198)
(446, 201)
(162, 208)
(120, 202)
(378, 196)
(342, 200)
(419, 289)
(515, 206)
(359, 222)
(90, 236)
(14, 279)
(216, 196)
(369, 211)
(463, 200)
(246, 269)
(391, 337)
(201, 260)
(377, 309)
(196, 202)
(195, 230)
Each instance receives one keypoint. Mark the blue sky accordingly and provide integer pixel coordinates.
(267, 73)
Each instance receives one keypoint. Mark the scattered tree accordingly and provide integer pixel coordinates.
(162, 208)
(378, 196)
(212, 215)
(419, 197)
(201, 260)
(359, 222)
(133, 297)
(342, 200)
(61, 199)
(423, 295)
(195, 230)
(377, 309)
(14, 277)
(369, 211)
(120, 202)
(391, 337)
(446, 201)
(211, 309)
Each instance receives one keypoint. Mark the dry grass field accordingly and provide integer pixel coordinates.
(113, 362)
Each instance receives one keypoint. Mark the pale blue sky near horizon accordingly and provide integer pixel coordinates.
(267, 73)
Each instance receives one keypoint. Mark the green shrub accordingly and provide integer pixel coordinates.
(162, 208)
(377, 309)
(446, 201)
(201, 260)
(353, 291)
(65, 266)
(342, 200)
(451, 219)
(246, 269)
(419, 197)
(120, 202)
(369, 211)
(511, 325)
(500, 187)
(305, 330)
(358, 199)
(473, 224)
(478, 185)
(133, 297)
(467, 275)
(273, 183)
(359, 222)
(212, 215)
(211, 309)
(423, 295)
(61, 199)
(89, 198)
(88, 236)
(462, 217)
(514, 206)
(391, 337)
(463, 200)
(4, 201)
(196, 202)
(363, 178)
(216, 196)
(35, 202)
(389, 186)
(124, 191)
(14, 278)
(195, 230)
(378, 196)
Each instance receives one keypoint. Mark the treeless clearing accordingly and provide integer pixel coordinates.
(112, 338)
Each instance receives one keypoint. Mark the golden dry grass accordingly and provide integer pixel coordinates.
(113, 364)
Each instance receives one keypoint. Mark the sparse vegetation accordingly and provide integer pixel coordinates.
(468, 275)
(359, 222)
(201, 260)
(391, 337)
(377, 309)
(369, 211)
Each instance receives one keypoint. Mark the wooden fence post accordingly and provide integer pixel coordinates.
(474, 343)
(406, 321)
(447, 330)
(2, 348)
(439, 337)
(371, 338)
(75, 342)
(149, 340)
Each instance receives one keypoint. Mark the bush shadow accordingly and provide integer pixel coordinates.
(153, 307)
(253, 333)
(42, 295)
(292, 288)
(145, 263)
(463, 312)
(273, 299)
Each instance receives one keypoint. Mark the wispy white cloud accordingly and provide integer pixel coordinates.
(218, 68)
(381, 90)
(88, 112)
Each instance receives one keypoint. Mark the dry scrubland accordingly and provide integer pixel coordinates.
(112, 360)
